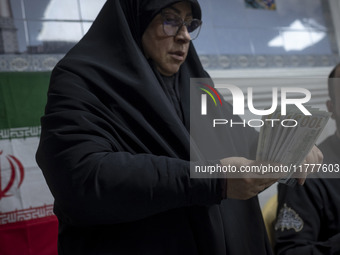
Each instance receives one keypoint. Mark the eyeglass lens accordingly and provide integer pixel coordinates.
(172, 24)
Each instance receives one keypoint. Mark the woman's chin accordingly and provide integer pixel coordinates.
(169, 71)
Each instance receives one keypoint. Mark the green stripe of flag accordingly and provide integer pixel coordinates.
(22, 99)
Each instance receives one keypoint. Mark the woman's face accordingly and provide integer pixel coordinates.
(168, 52)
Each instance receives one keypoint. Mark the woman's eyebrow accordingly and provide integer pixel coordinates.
(178, 11)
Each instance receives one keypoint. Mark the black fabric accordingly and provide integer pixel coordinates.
(171, 88)
(318, 205)
(115, 153)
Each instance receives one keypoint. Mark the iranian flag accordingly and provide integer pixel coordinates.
(27, 223)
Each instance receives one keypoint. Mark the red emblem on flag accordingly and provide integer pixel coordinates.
(11, 175)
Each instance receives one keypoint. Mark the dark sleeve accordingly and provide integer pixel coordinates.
(94, 181)
(298, 228)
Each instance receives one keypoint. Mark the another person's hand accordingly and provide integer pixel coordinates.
(315, 156)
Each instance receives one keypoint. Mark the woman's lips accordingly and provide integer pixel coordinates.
(178, 55)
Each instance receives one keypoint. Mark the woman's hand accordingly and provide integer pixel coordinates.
(244, 185)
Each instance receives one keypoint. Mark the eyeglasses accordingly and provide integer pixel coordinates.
(172, 24)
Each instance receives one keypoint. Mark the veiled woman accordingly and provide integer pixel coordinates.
(115, 143)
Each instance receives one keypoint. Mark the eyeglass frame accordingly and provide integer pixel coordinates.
(162, 13)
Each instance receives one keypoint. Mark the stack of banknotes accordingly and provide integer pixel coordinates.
(287, 139)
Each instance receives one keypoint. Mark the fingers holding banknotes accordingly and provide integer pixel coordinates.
(250, 177)
(247, 184)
